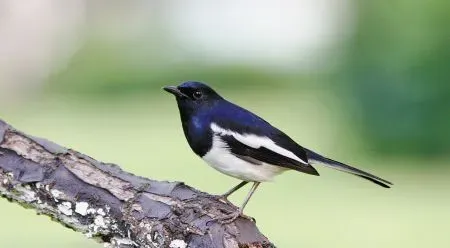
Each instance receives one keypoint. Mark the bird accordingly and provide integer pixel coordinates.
(242, 145)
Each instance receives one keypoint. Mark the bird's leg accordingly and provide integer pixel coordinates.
(234, 189)
(224, 197)
(249, 195)
(239, 212)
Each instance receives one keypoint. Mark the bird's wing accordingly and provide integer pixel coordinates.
(256, 149)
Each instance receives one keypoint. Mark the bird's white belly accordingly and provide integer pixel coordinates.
(221, 159)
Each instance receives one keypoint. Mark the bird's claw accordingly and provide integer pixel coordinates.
(224, 199)
(221, 198)
(248, 217)
(231, 217)
(228, 218)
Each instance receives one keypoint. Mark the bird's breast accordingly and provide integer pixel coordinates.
(198, 135)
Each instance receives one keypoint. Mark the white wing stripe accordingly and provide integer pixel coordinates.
(256, 142)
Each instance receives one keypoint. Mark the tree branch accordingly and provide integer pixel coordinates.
(113, 206)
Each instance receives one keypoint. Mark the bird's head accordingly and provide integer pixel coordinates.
(193, 95)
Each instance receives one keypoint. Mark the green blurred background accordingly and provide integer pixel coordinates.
(364, 82)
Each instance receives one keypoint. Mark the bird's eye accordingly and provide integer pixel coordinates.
(197, 94)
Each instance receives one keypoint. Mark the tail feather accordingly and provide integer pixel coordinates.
(346, 168)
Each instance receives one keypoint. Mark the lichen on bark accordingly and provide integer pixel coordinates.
(110, 205)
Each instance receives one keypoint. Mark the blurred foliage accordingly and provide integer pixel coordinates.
(99, 69)
(398, 76)
(395, 75)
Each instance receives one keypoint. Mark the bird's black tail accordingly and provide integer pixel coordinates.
(346, 168)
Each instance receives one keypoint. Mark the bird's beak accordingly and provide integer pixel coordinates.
(175, 91)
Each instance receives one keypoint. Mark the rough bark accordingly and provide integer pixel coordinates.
(113, 206)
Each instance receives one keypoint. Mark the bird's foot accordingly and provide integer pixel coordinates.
(221, 198)
(224, 198)
(230, 217)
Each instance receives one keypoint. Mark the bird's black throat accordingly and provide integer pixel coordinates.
(195, 128)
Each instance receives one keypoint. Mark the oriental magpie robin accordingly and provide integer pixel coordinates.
(241, 144)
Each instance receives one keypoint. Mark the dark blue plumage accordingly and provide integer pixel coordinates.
(196, 117)
(241, 144)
